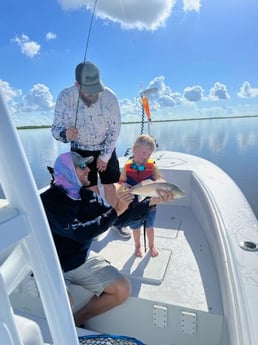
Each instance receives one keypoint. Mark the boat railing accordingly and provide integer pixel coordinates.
(26, 243)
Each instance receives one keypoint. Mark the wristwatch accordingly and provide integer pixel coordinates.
(63, 135)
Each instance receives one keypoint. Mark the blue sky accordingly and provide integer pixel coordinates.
(201, 55)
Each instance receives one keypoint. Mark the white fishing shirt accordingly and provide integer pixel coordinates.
(99, 125)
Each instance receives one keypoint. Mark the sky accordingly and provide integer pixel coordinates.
(201, 56)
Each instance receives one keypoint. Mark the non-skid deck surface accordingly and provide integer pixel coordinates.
(146, 269)
(183, 273)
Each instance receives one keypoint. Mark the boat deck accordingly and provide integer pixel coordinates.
(175, 296)
(183, 274)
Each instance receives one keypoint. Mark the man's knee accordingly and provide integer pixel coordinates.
(122, 290)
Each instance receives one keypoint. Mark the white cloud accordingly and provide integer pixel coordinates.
(36, 107)
(28, 47)
(8, 92)
(159, 83)
(165, 96)
(76, 4)
(246, 91)
(39, 98)
(192, 5)
(131, 110)
(193, 93)
(50, 36)
(128, 105)
(219, 91)
(132, 14)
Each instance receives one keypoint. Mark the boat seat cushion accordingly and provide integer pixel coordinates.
(29, 331)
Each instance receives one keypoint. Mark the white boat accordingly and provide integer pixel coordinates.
(202, 288)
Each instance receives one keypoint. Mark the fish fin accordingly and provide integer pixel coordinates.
(144, 183)
(160, 179)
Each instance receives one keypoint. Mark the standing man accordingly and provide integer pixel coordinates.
(88, 116)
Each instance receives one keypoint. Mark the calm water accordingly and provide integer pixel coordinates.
(232, 144)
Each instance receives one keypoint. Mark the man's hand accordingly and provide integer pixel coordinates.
(164, 196)
(101, 165)
(71, 133)
(124, 199)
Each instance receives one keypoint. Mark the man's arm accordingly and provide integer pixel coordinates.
(99, 224)
(62, 117)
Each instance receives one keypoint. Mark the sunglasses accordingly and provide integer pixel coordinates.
(82, 165)
(140, 167)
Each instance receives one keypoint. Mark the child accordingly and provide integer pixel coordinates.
(137, 169)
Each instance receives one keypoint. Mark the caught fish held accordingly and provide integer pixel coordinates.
(150, 188)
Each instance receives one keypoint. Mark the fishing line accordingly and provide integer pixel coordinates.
(129, 41)
(89, 31)
(127, 152)
(85, 56)
(144, 236)
(142, 123)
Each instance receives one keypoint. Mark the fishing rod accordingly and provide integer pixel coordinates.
(89, 31)
(85, 56)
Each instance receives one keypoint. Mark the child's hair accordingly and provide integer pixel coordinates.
(145, 139)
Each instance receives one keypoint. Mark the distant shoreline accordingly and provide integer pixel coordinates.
(155, 121)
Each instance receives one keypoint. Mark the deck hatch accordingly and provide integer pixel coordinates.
(148, 270)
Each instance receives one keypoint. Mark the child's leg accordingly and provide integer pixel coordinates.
(137, 242)
(150, 235)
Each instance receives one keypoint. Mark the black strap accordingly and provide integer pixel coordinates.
(144, 236)
(51, 171)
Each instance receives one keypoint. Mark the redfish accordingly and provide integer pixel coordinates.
(150, 188)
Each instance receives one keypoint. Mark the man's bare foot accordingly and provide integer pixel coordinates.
(138, 252)
(154, 251)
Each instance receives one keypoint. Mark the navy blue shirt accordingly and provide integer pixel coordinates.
(74, 223)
